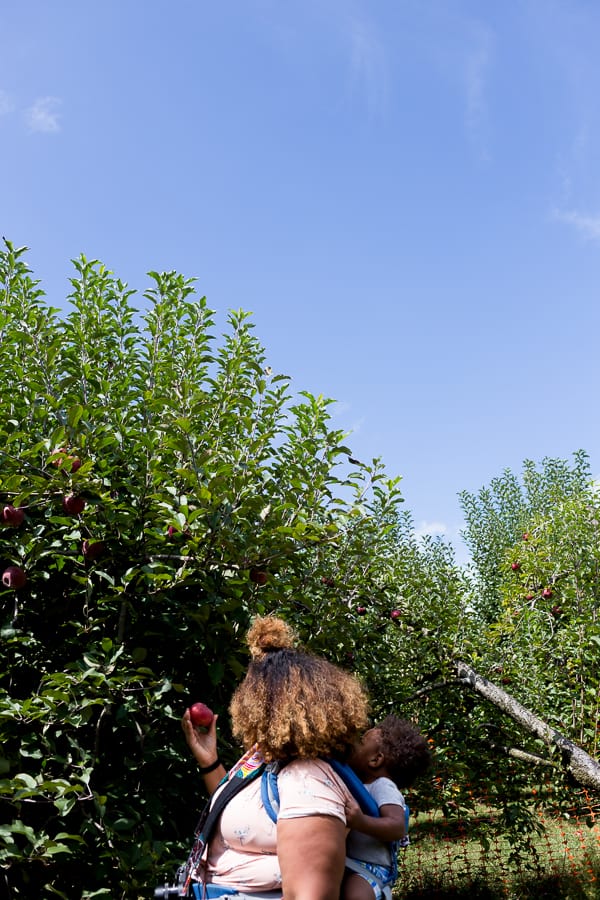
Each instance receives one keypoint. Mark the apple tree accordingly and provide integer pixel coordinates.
(499, 666)
(159, 485)
(535, 549)
(497, 516)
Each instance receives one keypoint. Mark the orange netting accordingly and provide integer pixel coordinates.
(471, 848)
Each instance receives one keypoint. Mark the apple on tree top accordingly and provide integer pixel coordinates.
(201, 716)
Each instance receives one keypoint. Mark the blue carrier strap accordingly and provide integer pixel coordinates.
(356, 787)
(270, 791)
(214, 891)
(359, 791)
(270, 799)
(405, 841)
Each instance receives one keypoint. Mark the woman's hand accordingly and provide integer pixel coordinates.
(203, 744)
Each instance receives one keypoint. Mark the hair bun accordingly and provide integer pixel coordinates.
(268, 633)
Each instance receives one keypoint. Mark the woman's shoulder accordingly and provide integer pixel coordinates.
(311, 787)
(313, 769)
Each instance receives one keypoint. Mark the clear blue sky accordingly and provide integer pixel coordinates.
(405, 193)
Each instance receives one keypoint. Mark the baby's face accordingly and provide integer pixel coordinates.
(366, 750)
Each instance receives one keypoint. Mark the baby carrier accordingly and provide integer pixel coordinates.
(380, 882)
(185, 886)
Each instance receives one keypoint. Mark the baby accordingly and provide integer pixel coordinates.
(390, 756)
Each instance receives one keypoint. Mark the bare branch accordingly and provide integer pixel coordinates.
(580, 765)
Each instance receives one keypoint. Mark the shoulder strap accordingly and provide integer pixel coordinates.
(356, 787)
(210, 816)
(269, 790)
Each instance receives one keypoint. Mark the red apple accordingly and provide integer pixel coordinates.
(327, 580)
(73, 504)
(74, 461)
(361, 610)
(201, 715)
(12, 515)
(258, 576)
(59, 459)
(529, 596)
(546, 593)
(395, 614)
(14, 577)
(515, 566)
(556, 611)
(92, 549)
(526, 536)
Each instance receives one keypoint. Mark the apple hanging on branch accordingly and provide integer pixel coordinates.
(14, 577)
(73, 504)
(66, 460)
(13, 515)
(258, 576)
(92, 549)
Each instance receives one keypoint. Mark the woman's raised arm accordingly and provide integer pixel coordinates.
(204, 748)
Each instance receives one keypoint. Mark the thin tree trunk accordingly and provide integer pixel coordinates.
(580, 765)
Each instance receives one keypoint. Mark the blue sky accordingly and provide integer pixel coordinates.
(405, 193)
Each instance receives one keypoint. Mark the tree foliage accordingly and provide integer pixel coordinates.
(497, 516)
(160, 485)
(170, 486)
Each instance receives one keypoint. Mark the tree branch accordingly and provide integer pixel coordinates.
(580, 765)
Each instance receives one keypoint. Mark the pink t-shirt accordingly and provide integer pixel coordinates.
(243, 851)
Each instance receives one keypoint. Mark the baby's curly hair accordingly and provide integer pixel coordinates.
(405, 750)
(292, 704)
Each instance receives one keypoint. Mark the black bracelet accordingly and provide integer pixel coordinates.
(204, 770)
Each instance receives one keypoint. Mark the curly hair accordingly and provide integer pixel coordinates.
(292, 704)
(405, 750)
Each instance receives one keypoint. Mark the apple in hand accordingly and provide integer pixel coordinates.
(201, 716)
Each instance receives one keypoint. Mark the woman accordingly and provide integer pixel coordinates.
(293, 708)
